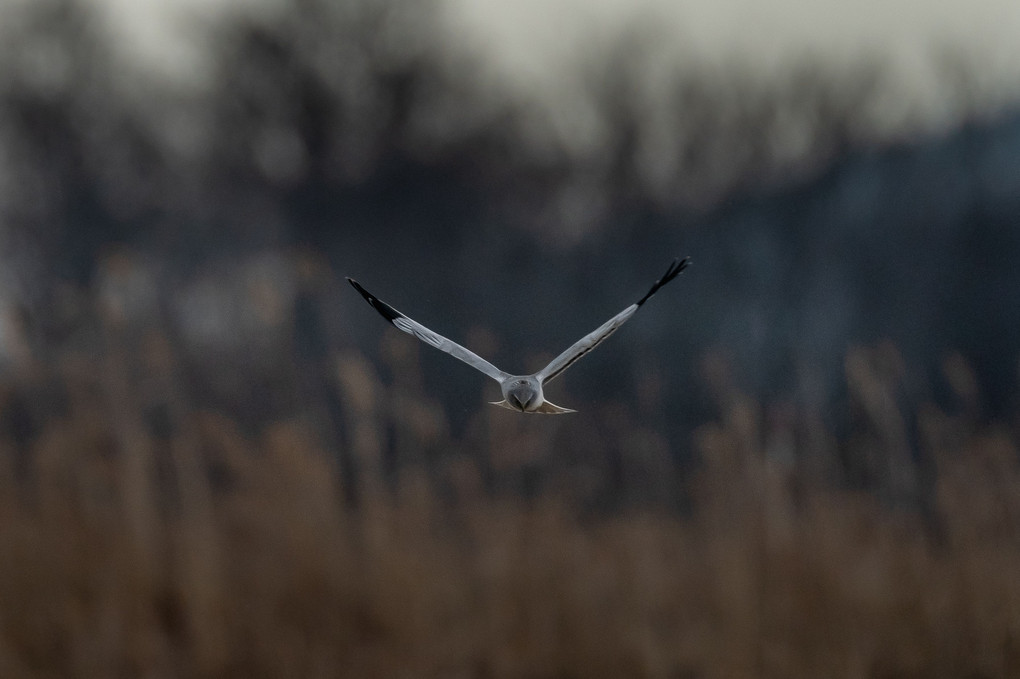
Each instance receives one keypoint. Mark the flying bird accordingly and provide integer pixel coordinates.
(520, 392)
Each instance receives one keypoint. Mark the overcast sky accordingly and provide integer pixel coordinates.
(527, 38)
(527, 31)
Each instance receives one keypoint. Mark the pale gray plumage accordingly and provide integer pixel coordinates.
(522, 393)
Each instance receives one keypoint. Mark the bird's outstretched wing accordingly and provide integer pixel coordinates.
(412, 327)
(594, 338)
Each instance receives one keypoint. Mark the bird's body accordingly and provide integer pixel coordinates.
(522, 393)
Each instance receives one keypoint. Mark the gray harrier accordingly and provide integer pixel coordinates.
(520, 392)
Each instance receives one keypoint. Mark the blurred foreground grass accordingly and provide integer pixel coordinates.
(191, 547)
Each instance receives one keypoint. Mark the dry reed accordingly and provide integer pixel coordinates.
(201, 550)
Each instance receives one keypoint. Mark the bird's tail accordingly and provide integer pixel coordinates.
(545, 409)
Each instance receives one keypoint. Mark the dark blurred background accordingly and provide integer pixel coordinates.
(511, 178)
(799, 460)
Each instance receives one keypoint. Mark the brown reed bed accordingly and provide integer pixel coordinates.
(201, 550)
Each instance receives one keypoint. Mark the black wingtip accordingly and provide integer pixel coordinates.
(674, 270)
(362, 291)
(384, 309)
